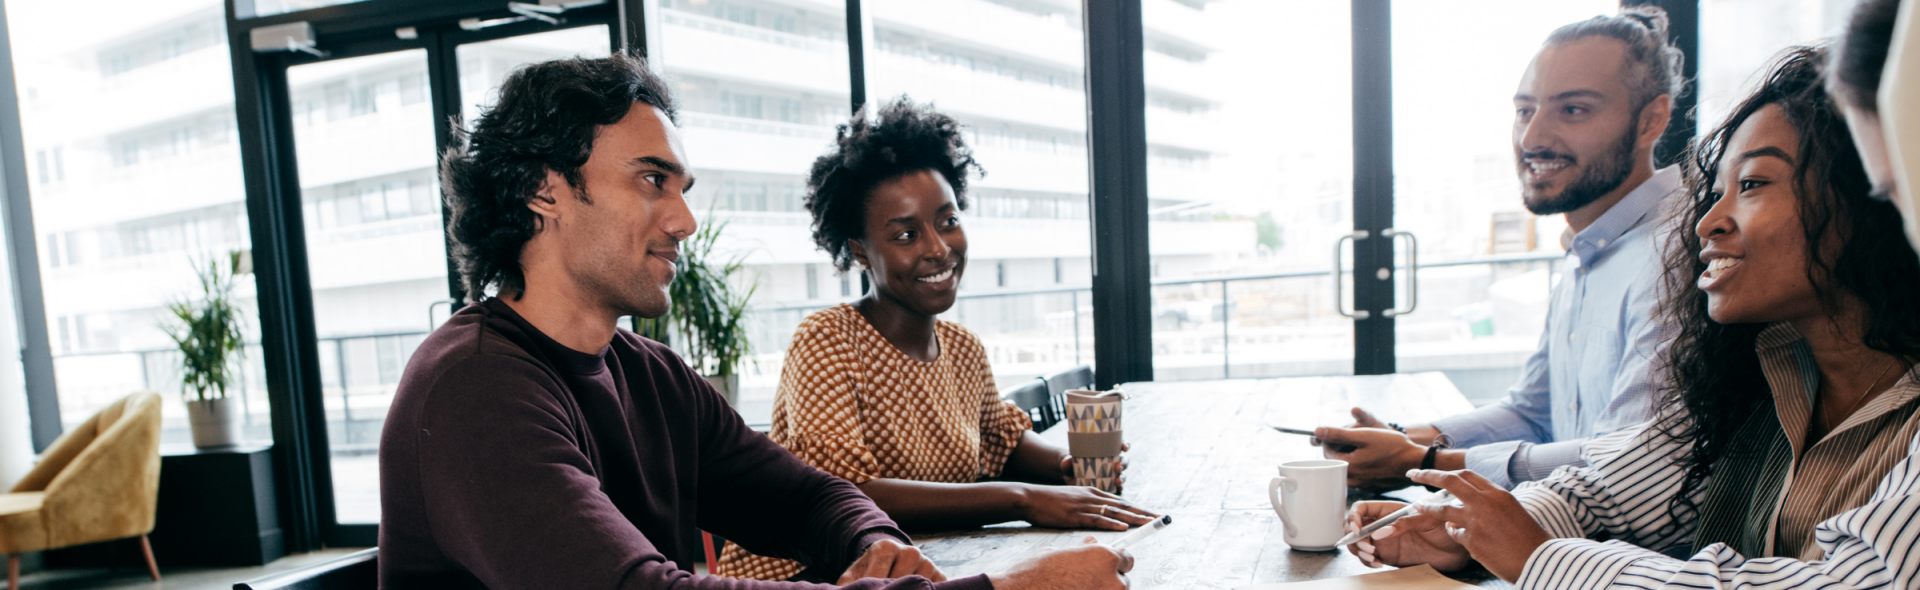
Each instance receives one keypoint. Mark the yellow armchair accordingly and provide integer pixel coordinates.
(98, 482)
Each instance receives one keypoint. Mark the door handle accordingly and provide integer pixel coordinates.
(1338, 294)
(1413, 271)
(451, 307)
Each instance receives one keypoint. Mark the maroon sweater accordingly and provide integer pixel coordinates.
(511, 461)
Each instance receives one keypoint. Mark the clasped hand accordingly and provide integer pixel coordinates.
(887, 558)
(1445, 536)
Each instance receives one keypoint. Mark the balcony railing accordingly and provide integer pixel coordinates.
(1023, 333)
(761, 126)
(1226, 304)
(356, 407)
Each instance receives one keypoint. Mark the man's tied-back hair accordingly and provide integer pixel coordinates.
(1653, 65)
(546, 119)
(904, 138)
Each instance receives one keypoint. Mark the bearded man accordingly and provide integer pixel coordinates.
(1589, 110)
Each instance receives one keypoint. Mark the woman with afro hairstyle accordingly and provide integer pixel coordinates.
(883, 393)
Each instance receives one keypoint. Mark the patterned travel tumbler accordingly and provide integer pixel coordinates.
(1093, 438)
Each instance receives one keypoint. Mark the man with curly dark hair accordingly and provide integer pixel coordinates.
(882, 392)
(532, 443)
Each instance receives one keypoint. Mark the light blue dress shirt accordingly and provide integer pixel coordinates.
(1595, 371)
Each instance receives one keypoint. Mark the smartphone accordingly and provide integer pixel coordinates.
(1313, 441)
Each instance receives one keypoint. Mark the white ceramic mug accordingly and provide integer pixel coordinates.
(1314, 510)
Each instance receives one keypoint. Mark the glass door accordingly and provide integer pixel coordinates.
(363, 131)
(362, 118)
(1476, 303)
(363, 135)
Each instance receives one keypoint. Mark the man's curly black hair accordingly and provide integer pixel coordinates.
(546, 119)
(904, 138)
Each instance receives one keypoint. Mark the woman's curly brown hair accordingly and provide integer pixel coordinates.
(1713, 368)
(903, 138)
(546, 119)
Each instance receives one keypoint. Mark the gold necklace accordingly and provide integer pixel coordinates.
(1827, 420)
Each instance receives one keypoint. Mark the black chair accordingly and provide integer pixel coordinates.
(359, 571)
(1080, 377)
(1037, 401)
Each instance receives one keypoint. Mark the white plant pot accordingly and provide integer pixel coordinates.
(215, 422)
(728, 386)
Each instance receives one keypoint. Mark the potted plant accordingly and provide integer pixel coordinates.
(708, 311)
(208, 332)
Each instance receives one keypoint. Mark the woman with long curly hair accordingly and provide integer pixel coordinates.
(881, 391)
(1784, 453)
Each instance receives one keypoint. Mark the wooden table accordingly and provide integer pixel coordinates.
(1202, 453)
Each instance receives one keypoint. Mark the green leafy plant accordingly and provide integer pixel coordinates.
(208, 330)
(708, 310)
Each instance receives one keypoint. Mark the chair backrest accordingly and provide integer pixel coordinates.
(358, 571)
(1037, 401)
(1058, 384)
(102, 478)
(1080, 377)
(78, 439)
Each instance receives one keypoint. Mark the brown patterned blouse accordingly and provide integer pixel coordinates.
(854, 406)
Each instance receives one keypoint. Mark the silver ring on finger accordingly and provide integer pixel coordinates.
(1103, 509)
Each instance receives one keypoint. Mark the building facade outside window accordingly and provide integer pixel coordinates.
(1739, 38)
(135, 177)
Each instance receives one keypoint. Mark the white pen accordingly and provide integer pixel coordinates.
(1443, 497)
(1145, 530)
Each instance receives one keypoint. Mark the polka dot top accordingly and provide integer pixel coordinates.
(854, 406)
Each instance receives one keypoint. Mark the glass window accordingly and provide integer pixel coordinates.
(1456, 189)
(1740, 38)
(1011, 72)
(761, 84)
(136, 176)
(1244, 209)
(483, 66)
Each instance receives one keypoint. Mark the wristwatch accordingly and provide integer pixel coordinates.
(1442, 441)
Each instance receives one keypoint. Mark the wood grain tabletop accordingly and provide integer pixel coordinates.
(1201, 451)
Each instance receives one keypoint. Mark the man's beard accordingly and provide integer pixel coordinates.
(1601, 176)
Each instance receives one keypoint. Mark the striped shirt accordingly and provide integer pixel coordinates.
(1848, 515)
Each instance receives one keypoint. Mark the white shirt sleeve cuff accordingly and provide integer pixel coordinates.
(1536, 462)
(1483, 425)
(1493, 460)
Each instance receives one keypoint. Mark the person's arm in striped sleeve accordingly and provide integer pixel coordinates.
(1873, 546)
(1623, 493)
(1626, 496)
